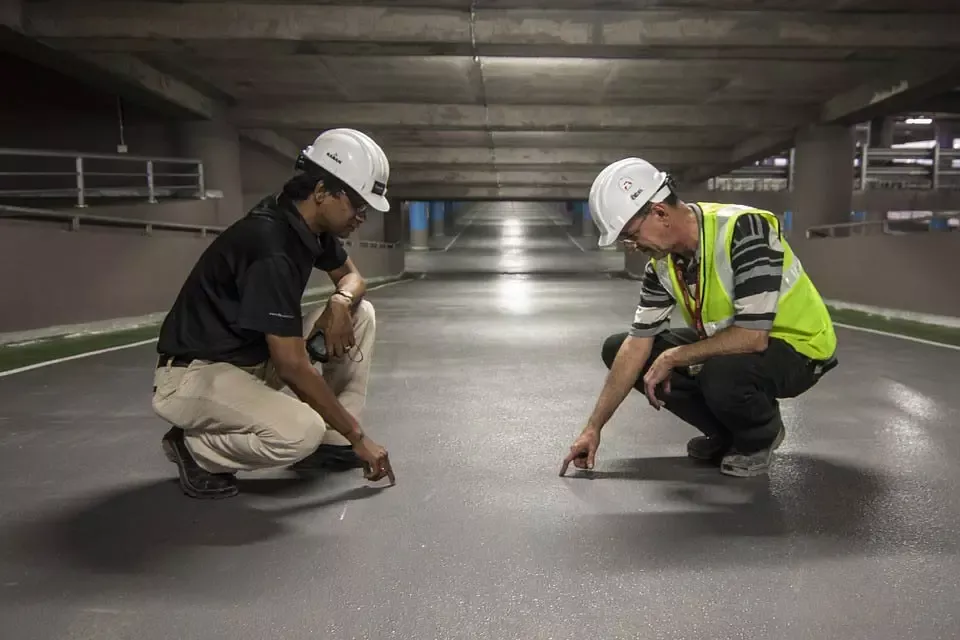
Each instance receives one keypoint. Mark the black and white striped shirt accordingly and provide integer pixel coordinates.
(756, 256)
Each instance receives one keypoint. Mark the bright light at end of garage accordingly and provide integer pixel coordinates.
(919, 120)
(515, 295)
(512, 233)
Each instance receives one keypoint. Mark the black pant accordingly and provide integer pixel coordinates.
(733, 397)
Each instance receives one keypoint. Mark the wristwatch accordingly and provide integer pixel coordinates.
(346, 294)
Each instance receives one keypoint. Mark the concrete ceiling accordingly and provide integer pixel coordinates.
(498, 98)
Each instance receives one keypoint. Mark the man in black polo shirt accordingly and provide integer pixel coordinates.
(235, 336)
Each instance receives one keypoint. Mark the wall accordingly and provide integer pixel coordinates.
(98, 274)
(263, 172)
(916, 272)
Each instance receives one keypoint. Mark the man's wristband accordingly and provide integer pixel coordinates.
(344, 293)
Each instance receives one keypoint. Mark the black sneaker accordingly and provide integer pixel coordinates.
(707, 449)
(195, 481)
(330, 457)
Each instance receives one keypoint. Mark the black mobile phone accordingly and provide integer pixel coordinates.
(317, 348)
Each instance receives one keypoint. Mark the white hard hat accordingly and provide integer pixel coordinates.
(354, 158)
(620, 191)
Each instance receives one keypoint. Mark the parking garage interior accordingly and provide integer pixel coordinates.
(133, 133)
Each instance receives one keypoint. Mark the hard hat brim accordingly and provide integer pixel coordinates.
(609, 238)
(379, 203)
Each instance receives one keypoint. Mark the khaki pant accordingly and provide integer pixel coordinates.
(240, 419)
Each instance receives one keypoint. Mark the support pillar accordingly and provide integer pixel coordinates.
(419, 220)
(393, 222)
(436, 219)
(823, 177)
(450, 219)
(217, 145)
(881, 132)
(373, 227)
(589, 229)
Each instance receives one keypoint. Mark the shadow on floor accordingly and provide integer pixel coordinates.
(809, 509)
(141, 536)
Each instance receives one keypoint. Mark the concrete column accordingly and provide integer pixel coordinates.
(372, 228)
(217, 145)
(436, 218)
(823, 177)
(419, 221)
(450, 219)
(947, 131)
(393, 222)
(881, 132)
(589, 229)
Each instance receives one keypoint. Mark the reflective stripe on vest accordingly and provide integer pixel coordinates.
(723, 269)
(802, 319)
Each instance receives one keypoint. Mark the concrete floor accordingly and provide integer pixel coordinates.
(480, 384)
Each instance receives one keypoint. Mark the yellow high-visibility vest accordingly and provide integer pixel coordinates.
(802, 319)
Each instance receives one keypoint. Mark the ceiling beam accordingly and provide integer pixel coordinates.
(116, 73)
(134, 71)
(324, 114)
(519, 156)
(494, 177)
(899, 89)
(491, 192)
(272, 141)
(306, 23)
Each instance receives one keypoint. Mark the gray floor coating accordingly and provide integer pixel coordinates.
(480, 383)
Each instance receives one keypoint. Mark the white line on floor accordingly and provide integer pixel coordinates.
(87, 354)
(897, 335)
(457, 237)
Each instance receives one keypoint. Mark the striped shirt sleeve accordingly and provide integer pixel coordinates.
(756, 256)
(656, 305)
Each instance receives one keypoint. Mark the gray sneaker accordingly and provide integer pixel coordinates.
(748, 465)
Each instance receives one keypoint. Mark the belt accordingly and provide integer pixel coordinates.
(173, 361)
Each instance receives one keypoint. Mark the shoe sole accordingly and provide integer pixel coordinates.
(755, 471)
(171, 454)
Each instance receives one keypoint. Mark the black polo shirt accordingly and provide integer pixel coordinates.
(249, 282)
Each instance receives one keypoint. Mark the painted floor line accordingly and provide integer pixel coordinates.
(898, 335)
(131, 345)
(77, 356)
(457, 237)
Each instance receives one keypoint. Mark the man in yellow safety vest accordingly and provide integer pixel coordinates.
(728, 321)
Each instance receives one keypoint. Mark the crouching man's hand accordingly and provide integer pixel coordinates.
(376, 462)
(583, 451)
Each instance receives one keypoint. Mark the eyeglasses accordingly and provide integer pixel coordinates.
(358, 203)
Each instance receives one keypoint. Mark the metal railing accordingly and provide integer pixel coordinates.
(74, 222)
(917, 222)
(97, 175)
(874, 168)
